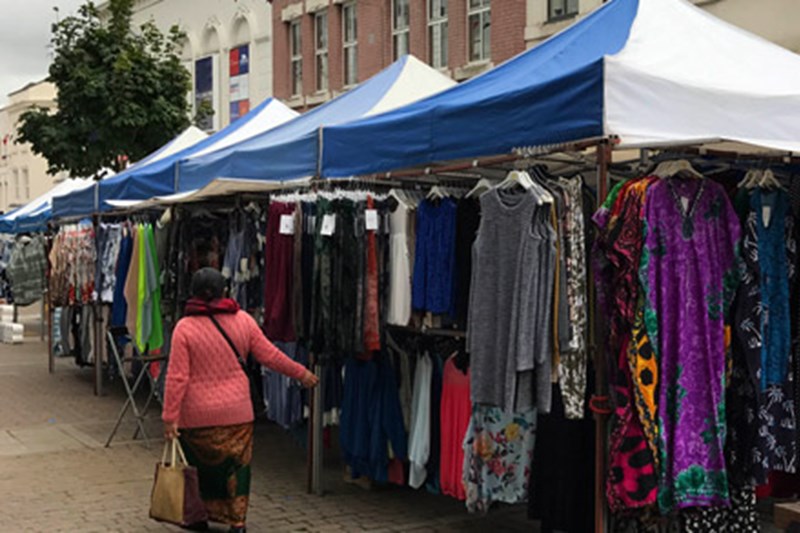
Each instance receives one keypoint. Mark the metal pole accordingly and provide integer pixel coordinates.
(318, 408)
(98, 330)
(603, 162)
(51, 362)
(42, 319)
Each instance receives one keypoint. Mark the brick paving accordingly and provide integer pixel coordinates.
(55, 474)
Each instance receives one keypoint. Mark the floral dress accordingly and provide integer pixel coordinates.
(498, 452)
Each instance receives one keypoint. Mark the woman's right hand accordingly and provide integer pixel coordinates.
(309, 380)
(170, 430)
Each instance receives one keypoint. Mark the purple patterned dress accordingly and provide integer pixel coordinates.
(689, 274)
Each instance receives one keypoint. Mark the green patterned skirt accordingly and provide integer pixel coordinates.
(222, 456)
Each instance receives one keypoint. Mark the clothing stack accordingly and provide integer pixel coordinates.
(10, 332)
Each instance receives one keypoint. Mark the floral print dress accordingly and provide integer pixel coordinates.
(498, 453)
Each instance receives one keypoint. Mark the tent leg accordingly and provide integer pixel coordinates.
(603, 162)
(316, 442)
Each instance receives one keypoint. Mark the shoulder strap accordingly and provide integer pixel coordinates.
(230, 343)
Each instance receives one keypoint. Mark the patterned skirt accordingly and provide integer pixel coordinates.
(222, 456)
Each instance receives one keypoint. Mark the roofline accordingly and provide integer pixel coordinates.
(26, 87)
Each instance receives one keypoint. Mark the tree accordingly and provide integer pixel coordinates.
(121, 93)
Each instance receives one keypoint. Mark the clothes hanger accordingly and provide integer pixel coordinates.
(768, 180)
(436, 193)
(667, 169)
(481, 187)
(749, 180)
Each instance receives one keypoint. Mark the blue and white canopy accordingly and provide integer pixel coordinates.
(291, 151)
(33, 216)
(652, 72)
(156, 175)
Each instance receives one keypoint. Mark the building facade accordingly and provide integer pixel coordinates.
(23, 174)
(774, 20)
(228, 51)
(323, 47)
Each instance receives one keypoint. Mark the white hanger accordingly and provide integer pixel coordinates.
(769, 180)
(667, 169)
(482, 186)
(436, 193)
(750, 179)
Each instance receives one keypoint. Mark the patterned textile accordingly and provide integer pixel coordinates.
(763, 422)
(498, 452)
(689, 273)
(644, 374)
(740, 517)
(222, 456)
(632, 480)
(572, 370)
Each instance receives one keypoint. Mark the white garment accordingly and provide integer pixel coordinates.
(399, 312)
(419, 438)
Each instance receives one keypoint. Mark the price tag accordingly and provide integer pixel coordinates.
(685, 202)
(372, 219)
(328, 225)
(287, 225)
(766, 214)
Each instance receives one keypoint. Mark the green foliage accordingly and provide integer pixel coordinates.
(121, 93)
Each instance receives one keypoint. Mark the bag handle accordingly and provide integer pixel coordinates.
(177, 453)
(231, 344)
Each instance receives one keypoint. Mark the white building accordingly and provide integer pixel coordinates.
(228, 50)
(775, 20)
(23, 174)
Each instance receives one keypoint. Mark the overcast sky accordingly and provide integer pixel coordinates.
(24, 37)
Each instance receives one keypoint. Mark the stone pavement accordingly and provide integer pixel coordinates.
(55, 474)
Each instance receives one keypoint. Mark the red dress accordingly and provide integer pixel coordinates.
(455, 414)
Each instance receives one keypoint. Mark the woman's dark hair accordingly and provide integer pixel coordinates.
(208, 284)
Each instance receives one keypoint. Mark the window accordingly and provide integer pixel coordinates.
(321, 48)
(480, 23)
(400, 20)
(296, 52)
(558, 9)
(16, 184)
(350, 43)
(205, 93)
(437, 32)
(26, 184)
(239, 81)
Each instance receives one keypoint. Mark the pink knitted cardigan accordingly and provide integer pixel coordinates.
(205, 384)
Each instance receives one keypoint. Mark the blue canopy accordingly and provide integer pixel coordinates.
(155, 175)
(549, 94)
(292, 150)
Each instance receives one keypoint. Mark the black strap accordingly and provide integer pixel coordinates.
(230, 343)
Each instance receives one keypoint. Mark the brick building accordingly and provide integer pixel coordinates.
(323, 47)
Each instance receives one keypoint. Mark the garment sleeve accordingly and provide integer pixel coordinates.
(269, 355)
(177, 377)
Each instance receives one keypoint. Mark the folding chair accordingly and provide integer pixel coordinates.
(142, 375)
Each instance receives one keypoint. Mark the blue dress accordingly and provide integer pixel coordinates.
(434, 262)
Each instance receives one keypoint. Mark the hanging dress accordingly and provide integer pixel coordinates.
(689, 274)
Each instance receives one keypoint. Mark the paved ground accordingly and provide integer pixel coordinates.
(55, 474)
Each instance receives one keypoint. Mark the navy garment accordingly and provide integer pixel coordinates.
(432, 480)
(434, 262)
(119, 308)
(371, 419)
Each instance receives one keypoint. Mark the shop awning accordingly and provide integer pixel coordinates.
(654, 72)
(156, 175)
(291, 151)
(33, 216)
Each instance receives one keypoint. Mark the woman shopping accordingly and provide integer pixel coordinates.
(207, 394)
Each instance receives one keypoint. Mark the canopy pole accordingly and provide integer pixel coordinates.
(48, 297)
(97, 329)
(600, 398)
